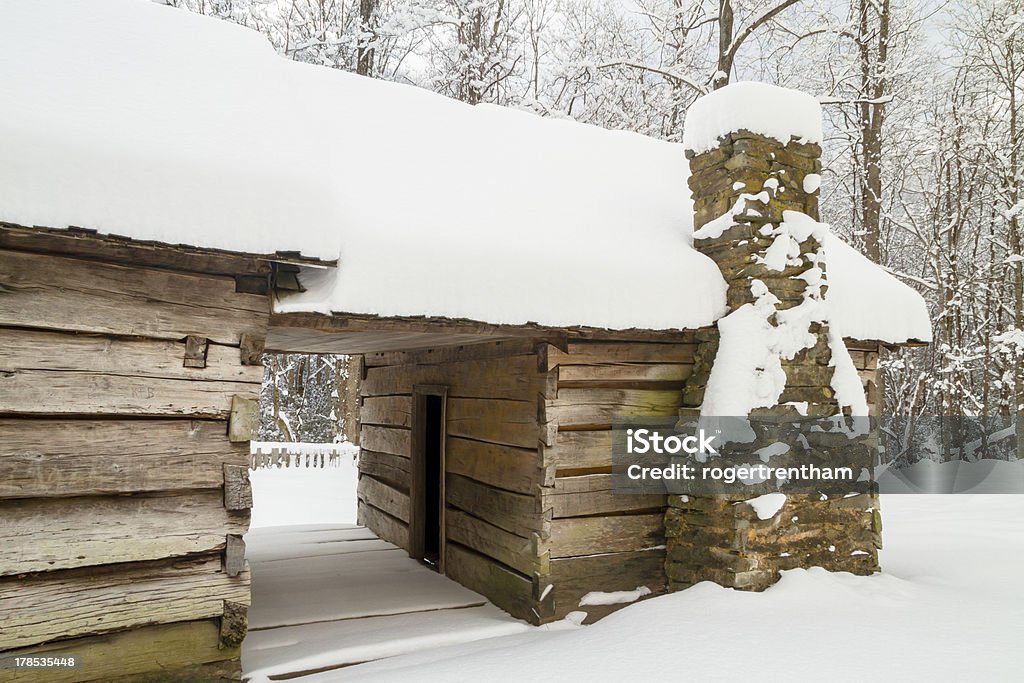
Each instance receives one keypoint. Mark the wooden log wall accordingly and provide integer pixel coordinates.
(865, 356)
(601, 541)
(493, 521)
(531, 520)
(126, 402)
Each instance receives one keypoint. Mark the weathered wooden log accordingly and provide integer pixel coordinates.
(592, 494)
(579, 450)
(592, 353)
(391, 529)
(96, 457)
(51, 292)
(498, 421)
(624, 375)
(507, 548)
(590, 408)
(447, 354)
(384, 497)
(574, 577)
(167, 652)
(388, 411)
(391, 469)
(505, 467)
(514, 512)
(396, 441)
(575, 536)
(55, 533)
(81, 602)
(52, 374)
(507, 589)
(515, 377)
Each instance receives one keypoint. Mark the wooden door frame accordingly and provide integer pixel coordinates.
(417, 497)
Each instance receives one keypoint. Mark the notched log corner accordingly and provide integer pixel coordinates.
(234, 555)
(195, 351)
(234, 625)
(237, 489)
(243, 419)
(251, 346)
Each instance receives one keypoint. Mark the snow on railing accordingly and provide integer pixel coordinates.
(265, 454)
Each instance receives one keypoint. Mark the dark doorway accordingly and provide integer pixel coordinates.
(427, 495)
(432, 483)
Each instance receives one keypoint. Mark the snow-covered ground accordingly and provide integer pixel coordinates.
(949, 606)
(304, 495)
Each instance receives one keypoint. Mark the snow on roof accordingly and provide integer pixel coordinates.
(866, 302)
(153, 123)
(775, 112)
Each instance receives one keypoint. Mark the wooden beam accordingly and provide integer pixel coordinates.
(161, 650)
(514, 551)
(448, 354)
(89, 245)
(115, 598)
(48, 534)
(505, 467)
(150, 253)
(576, 576)
(52, 373)
(386, 467)
(497, 421)
(504, 587)
(514, 512)
(593, 494)
(391, 529)
(58, 293)
(344, 332)
(592, 408)
(26, 349)
(676, 351)
(579, 450)
(384, 497)
(575, 536)
(393, 440)
(60, 458)
(514, 377)
(388, 411)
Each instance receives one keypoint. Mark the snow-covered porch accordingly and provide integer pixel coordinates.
(326, 596)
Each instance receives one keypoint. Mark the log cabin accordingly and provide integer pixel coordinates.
(175, 200)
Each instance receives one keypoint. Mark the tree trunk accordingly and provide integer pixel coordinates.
(368, 30)
(873, 46)
(725, 36)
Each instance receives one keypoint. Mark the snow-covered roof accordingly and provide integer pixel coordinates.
(149, 122)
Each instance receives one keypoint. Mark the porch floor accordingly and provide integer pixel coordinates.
(328, 596)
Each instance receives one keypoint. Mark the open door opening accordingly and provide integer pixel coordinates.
(432, 480)
(427, 494)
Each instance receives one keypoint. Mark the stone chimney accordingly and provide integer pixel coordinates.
(754, 154)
